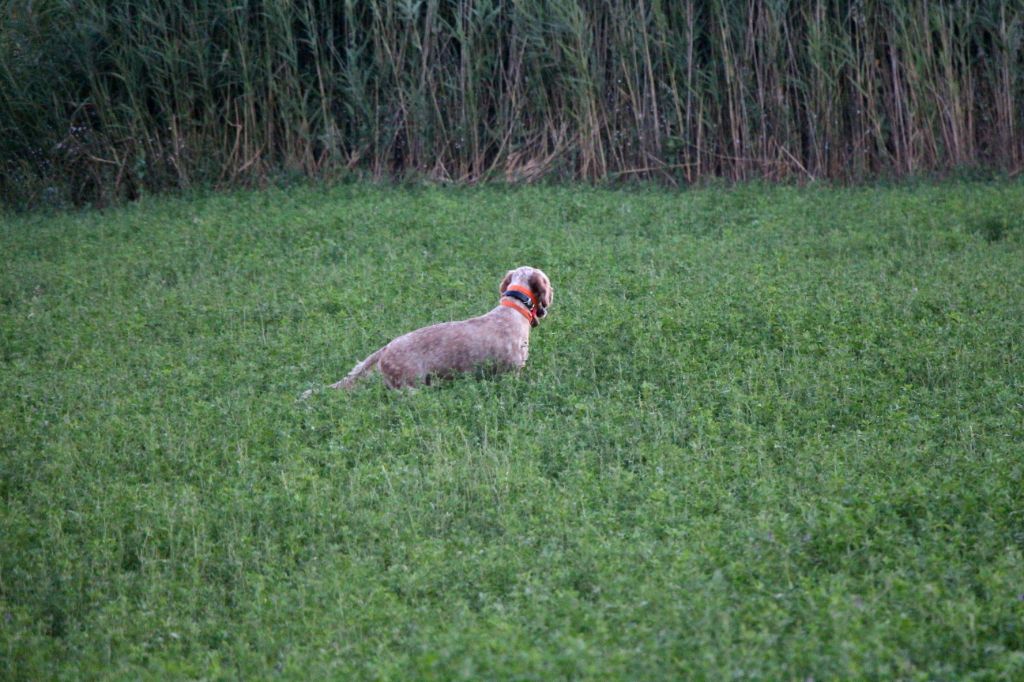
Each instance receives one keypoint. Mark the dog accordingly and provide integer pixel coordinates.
(499, 339)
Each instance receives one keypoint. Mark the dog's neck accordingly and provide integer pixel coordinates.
(522, 300)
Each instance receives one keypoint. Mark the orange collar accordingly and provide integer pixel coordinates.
(521, 309)
(523, 290)
(517, 303)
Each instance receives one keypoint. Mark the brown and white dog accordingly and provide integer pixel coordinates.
(499, 339)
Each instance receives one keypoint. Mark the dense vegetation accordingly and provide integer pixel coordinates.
(101, 99)
(763, 434)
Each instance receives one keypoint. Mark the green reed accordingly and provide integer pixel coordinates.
(103, 100)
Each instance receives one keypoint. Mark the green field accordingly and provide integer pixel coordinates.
(764, 433)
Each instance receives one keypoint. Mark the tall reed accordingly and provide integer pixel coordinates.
(101, 100)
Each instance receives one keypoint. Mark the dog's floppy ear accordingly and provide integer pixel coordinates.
(504, 283)
(541, 288)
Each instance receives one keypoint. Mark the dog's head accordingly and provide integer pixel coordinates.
(533, 279)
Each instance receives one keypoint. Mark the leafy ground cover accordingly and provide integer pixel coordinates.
(768, 433)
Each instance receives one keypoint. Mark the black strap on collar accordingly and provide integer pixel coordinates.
(521, 297)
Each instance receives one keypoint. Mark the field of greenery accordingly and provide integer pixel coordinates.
(764, 433)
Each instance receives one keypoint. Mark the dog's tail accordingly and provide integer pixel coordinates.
(363, 368)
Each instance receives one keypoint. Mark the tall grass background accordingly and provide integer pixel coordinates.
(102, 100)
